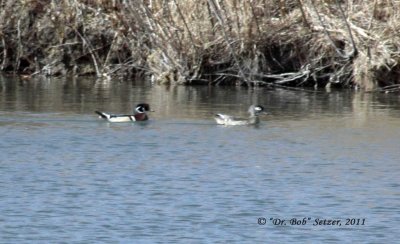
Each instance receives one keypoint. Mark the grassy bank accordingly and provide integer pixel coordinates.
(258, 42)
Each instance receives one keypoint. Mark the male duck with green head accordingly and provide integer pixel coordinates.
(139, 114)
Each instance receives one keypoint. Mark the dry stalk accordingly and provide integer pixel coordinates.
(3, 64)
(19, 43)
(294, 42)
(106, 61)
(85, 43)
(220, 19)
(327, 33)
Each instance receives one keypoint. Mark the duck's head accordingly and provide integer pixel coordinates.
(142, 107)
(256, 109)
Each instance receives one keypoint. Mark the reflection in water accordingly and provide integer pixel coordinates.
(66, 176)
(84, 95)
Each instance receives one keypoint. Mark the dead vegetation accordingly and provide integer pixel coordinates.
(256, 42)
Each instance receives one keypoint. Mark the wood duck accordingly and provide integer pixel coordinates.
(254, 111)
(139, 114)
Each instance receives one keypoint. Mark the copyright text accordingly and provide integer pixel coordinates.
(311, 221)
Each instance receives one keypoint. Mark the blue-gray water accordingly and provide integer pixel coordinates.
(68, 177)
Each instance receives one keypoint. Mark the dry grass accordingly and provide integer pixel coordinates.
(258, 42)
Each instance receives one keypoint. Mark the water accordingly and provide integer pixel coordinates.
(68, 177)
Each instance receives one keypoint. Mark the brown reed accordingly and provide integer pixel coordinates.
(255, 42)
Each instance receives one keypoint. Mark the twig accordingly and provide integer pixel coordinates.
(295, 88)
(152, 25)
(372, 15)
(387, 89)
(111, 47)
(19, 50)
(3, 64)
(186, 25)
(65, 44)
(222, 23)
(253, 11)
(354, 51)
(303, 14)
(86, 43)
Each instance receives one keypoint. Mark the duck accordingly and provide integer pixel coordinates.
(254, 111)
(139, 114)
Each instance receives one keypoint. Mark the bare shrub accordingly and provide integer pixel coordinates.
(255, 42)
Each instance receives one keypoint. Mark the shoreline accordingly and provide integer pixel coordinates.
(257, 43)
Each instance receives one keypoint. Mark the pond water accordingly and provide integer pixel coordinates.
(68, 177)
